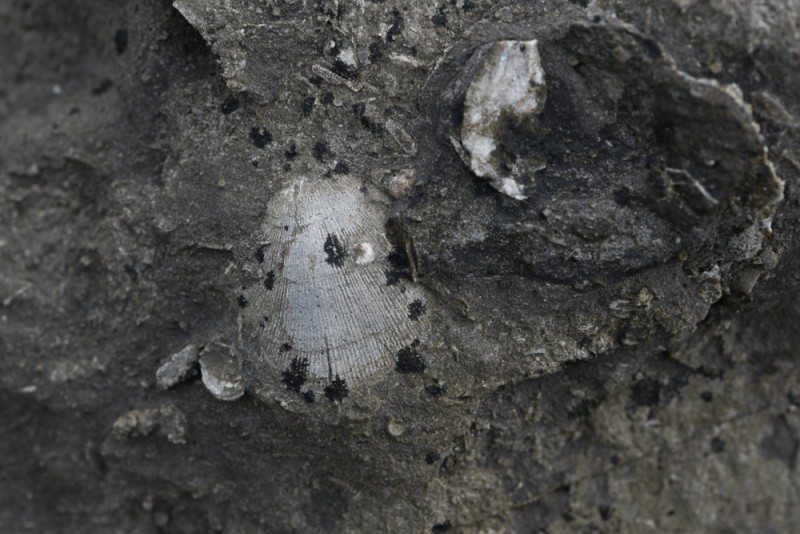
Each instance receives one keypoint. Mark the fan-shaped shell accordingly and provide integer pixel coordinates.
(325, 295)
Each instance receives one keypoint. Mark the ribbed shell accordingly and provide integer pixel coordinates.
(323, 296)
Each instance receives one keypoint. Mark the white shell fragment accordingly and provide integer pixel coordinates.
(327, 301)
(178, 367)
(508, 88)
(221, 370)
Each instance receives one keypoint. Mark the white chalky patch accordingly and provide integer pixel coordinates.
(510, 83)
(328, 299)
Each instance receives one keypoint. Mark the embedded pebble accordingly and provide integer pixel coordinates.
(166, 420)
(178, 367)
(221, 370)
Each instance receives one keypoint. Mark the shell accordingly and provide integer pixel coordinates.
(328, 304)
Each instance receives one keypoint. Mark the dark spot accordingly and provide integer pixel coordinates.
(435, 390)
(263, 322)
(707, 396)
(121, 40)
(316, 80)
(341, 168)
(468, 5)
(396, 26)
(402, 257)
(291, 152)
(360, 111)
(409, 360)
(622, 196)
(335, 251)
(308, 104)
(310, 396)
(614, 459)
(416, 309)
(327, 98)
(582, 408)
(717, 445)
(130, 270)
(646, 392)
(652, 49)
(793, 398)
(665, 135)
(344, 70)
(432, 457)
(375, 52)
(242, 301)
(337, 390)
(260, 253)
(104, 86)
(783, 443)
(269, 281)
(447, 526)
(297, 373)
(440, 18)
(605, 512)
(254, 163)
(319, 151)
(286, 347)
(260, 137)
(230, 105)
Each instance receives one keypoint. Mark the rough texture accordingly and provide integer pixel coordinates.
(616, 352)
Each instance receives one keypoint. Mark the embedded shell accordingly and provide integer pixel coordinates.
(324, 295)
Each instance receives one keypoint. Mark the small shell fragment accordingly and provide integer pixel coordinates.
(508, 89)
(178, 367)
(221, 370)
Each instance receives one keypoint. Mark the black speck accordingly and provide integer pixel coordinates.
(327, 98)
(341, 168)
(297, 373)
(319, 151)
(717, 445)
(360, 111)
(432, 457)
(263, 322)
(375, 52)
(614, 459)
(468, 5)
(652, 49)
(269, 281)
(646, 392)
(230, 105)
(344, 70)
(286, 347)
(316, 80)
(707, 396)
(290, 152)
(254, 163)
(310, 396)
(130, 270)
(793, 398)
(416, 309)
(308, 104)
(242, 301)
(260, 137)
(440, 18)
(260, 253)
(435, 390)
(335, 251)
(605, 512)
(121, 40)
(447, 526)
(104, 86)
(409, 360)
(622, 196)
(337, 390)
(396, 26)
